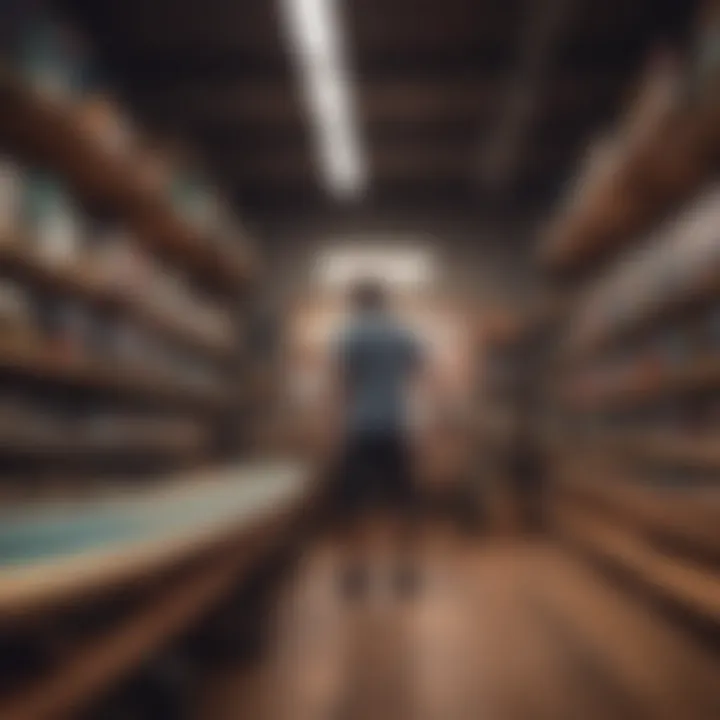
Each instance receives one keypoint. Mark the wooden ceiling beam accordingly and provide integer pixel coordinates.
(450, 196)
(503, 148)
(278, 102)
(157, 71)
(382, 101)
(384, 162)
(408, 161)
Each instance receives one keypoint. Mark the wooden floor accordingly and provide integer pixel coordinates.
(499, 631)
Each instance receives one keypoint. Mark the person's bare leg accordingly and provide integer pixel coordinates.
(354, 554)
(407, 549)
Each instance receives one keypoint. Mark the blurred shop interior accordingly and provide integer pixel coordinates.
(187, 193)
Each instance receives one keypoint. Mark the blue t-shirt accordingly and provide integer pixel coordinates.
(377, 356)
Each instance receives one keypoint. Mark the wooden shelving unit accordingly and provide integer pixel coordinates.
(631, 429)
(37, 362)
(94, 666)
(686, 517)
(702, 295)
(49, 133)
(645, 383)
(688, 586)
(671, 279)
(664, 153)
(125, 514)
(81, 283)
(53, 135)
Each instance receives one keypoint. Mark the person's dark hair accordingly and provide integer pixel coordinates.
(368, 294)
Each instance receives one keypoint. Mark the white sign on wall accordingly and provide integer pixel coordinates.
(403, 267)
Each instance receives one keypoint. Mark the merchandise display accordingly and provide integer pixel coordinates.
(659, 156)
(677, 267)
(109, 244)
(445, 444)
(631, 419)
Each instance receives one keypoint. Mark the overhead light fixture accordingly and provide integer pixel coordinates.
(403, 267)
(316, 44)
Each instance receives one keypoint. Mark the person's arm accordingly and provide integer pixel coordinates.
(425, 373)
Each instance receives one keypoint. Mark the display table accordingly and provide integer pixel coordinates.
(52, 551)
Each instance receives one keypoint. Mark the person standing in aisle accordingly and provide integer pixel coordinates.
(378, 359)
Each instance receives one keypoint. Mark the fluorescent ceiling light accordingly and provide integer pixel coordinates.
(318, 51)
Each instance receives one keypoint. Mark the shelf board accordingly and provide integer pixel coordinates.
(656, 668)
(123, 443)
(641, 387)
(700, 295)
(49, 132)
(658, 174)
(79, 282)
(36, 361)
(95, 665)
(687, 516)
(694, 587)
(693, 450)
(667, 447)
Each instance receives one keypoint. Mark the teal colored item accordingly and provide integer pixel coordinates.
(52, 58)
(47, 533)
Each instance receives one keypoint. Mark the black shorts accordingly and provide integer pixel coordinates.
(374, 471)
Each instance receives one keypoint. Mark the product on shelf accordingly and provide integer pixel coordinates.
(131, 345)
(193, 201)
(680, 258)
(118, 262)
(52, 220)
(11, 199)
(53, 58)
(100, 337)
(172, 298)
(16, 315)
(65, 327)
(705, 65)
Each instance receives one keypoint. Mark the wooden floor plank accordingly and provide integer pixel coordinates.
(475, 643)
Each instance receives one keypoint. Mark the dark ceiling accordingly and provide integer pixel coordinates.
(466, 106)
